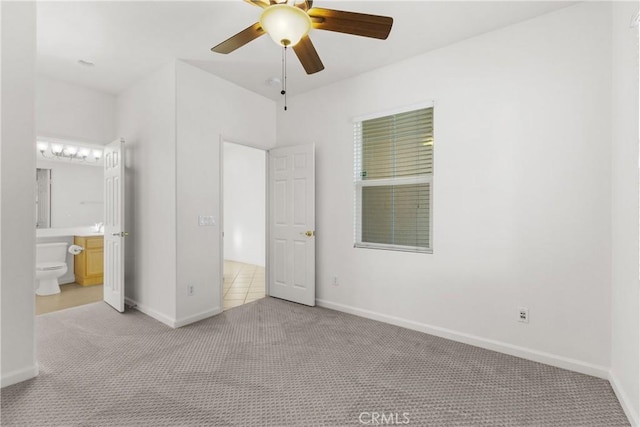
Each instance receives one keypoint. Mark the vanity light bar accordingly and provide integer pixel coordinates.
(57, 151)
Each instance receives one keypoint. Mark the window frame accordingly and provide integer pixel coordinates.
(359, 184)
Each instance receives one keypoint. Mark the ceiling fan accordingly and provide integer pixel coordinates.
(288, 22)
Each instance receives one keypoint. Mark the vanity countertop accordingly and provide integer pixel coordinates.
(68, 231)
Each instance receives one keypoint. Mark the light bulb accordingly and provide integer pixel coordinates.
(70, 150)
(42, 146)
(97, 154)
(84, 153)
(56, 149)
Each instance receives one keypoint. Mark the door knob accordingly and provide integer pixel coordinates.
(310, 233)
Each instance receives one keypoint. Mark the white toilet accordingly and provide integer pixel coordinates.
(50, 265)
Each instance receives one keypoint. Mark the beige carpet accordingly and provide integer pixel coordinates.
(273, 363)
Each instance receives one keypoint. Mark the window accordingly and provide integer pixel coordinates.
(393, 174)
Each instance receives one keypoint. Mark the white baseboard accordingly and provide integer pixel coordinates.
(169, 321)
(624, 400)
(18, 376)
(197, 317)
(513, 350)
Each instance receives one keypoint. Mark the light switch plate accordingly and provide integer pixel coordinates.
(206, 221)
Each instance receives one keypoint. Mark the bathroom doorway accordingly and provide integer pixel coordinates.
(244, 221)
(69, 203)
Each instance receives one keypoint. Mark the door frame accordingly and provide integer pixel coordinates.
(267, 236)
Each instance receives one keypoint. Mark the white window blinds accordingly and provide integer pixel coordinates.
(393, 173)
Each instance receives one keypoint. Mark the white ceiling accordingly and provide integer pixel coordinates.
(129, 39)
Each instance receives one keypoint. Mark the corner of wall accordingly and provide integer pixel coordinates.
(624, 399)
(146, 118)
(17, 163)
(625, 285)
(19, 375)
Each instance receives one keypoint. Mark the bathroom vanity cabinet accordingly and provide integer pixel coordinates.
(88, 266)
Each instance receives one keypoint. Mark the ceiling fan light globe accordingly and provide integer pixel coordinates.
(285, 24)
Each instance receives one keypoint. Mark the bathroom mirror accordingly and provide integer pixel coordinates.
(68, 194)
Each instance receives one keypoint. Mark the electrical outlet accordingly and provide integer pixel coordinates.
(334, 281)
(191, 290)
(523, 314)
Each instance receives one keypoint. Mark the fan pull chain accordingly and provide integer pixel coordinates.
(284, 76)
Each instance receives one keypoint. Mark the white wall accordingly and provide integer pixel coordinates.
(77, 197)
(17, 172)
(173, 122)
(68, 111)
(521, 190)
(146, 120)
(244, 171)
(625, 355)
(209, 110)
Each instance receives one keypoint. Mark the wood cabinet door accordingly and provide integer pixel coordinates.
(95, 261)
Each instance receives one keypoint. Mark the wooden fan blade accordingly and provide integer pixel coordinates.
(306, 53)
(260, 3)
(359, 24)
(240, 39)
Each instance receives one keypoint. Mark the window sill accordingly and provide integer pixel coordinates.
(395, 248)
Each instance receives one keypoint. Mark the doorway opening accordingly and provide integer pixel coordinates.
(69, 206)
(244, 220)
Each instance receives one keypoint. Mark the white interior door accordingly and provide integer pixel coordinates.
(114, 224)
(292, 259)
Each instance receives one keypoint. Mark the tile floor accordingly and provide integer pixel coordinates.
(71, 295)
(243, 283)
